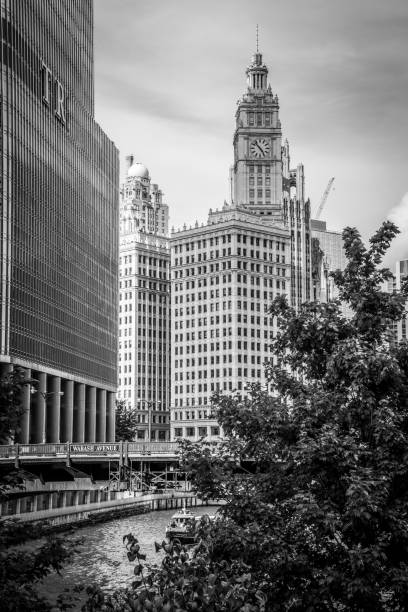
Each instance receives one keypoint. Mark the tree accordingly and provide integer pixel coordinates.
(126, 422)
(21, 569)
(12, 410)
(318, 519)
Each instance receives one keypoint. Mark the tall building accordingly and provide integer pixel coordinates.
(263, 179)
(226, 273)
(328, 256)
(399, 329)
(59, 221)
(224, 276)
(144, 303)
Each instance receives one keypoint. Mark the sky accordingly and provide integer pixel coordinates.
(168, 74)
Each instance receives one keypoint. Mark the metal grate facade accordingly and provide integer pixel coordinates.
(59, 195)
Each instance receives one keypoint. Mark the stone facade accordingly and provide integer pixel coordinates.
(144, 303)
(224, 276)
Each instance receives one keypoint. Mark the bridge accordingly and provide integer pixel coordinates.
(87, 452)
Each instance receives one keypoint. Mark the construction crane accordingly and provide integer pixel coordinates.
(324, 198)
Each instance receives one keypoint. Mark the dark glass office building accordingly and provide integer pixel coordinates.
(59, 223)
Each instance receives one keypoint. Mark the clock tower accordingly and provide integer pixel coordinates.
(257, 169)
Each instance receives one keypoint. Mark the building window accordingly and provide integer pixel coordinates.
(202, 432)
(178, 432)
(190, 432)
(215, 431)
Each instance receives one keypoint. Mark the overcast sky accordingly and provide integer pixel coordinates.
(169, 72)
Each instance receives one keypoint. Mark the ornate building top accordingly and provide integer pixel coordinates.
(142, 210)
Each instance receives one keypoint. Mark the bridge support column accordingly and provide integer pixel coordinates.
(38, 412)
(90, 414)
(54, 410)
(23, 436)
(67, 411)
(5, 368)
(110, 417)
(79, 413)
(101, 416)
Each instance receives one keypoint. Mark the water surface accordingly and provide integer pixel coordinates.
(101, 558)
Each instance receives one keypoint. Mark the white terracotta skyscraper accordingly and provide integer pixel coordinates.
(226, 273)
(144, 303)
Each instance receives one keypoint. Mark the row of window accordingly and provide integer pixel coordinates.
(178, 261)
(214, 293)
(213, 386)
(259, 119)
(144, 259)
(202, 432)
(260, 182)
(203, 401)
(190, 349)
(266, 256)
(191, 415)
(215, 359)
(128, 380)
(221, 333)
(226, 318)
(202, 308)
(142, 272)
(241, 238)
(160, 435)
(242, 265)
(216, 373)
(202, 244)
(259, 169)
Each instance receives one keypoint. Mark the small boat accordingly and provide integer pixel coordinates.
(182, 526)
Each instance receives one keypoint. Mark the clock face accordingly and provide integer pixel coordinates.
(260, 148)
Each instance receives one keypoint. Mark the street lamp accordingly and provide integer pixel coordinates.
(149, 405)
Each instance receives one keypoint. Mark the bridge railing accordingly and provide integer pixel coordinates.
(87, 449)
(154, 448)
(7, 450)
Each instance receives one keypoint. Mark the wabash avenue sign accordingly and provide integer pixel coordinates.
(53, 93)
(94, 448)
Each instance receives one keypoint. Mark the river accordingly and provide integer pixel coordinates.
(101, 558)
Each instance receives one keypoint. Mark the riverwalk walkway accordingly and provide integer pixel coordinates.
(85, 513)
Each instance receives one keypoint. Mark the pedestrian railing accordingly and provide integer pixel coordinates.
(88, 449)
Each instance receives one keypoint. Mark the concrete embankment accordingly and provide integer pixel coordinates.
(59, 519)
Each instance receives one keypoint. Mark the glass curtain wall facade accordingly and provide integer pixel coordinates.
(59, 222)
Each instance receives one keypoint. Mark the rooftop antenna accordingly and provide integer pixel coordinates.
(257, 38)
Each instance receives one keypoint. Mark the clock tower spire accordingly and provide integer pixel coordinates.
(257, 170)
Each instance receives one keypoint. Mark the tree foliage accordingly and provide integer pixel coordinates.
(126, 422)
(319, 519)
(12, 410)
(22, 569)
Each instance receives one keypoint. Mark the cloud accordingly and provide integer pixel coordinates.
(399, 215)
(168, 75)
